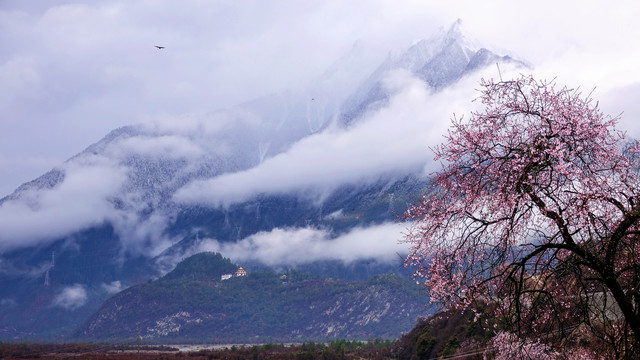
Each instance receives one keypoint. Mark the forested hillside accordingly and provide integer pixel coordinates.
(193, 304)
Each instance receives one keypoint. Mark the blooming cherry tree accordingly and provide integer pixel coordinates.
(536, 207)
(506, 346)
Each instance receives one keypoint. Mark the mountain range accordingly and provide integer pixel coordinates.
(312, 180)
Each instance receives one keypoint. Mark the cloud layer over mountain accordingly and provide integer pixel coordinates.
(81, 200)
(394, 139)
(296, 246)
(101, 184)
(71, 297)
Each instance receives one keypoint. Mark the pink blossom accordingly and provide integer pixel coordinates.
(536, 196)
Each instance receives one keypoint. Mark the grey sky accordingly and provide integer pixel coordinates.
(72, 71)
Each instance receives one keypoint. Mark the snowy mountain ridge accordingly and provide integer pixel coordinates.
(439, 61)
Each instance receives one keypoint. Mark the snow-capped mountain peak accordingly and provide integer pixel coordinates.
(439, 61)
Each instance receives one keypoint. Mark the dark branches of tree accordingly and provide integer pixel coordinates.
(536, 209)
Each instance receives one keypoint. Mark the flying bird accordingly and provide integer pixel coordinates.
(159, 47)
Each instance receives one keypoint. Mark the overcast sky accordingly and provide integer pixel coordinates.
(71, 71)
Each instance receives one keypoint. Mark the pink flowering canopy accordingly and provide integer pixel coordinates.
(538, 179)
